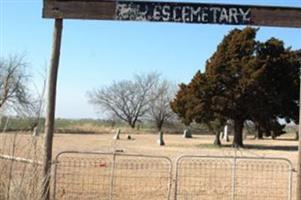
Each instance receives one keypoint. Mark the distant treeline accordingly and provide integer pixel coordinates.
(10, 124)
(94, 126)
(19, 123)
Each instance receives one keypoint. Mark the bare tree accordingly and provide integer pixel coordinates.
(128, 100)
(159, 107)
(13, 83)
(160, 110)
(35, 108)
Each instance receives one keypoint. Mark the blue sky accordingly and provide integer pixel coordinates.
(95, 53)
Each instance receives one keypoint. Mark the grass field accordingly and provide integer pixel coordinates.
(141, 143)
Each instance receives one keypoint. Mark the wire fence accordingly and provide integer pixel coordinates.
(108, 176)
(233, 178)
(19, 178)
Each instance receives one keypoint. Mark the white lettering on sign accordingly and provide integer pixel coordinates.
(245, 14)
(233, 15)
(223, 16)
(205, 15)
(214, 12)
(186, 13)
(166, 13)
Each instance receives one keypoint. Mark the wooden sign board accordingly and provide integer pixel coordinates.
(173, 12)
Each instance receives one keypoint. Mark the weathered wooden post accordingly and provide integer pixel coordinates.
(50, 112)
(299, 151)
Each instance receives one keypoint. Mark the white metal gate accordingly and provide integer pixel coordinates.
(112, 176)
(233, 178)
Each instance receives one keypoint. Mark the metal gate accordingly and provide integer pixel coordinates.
(116, 176)
(111, 176)
(233, 178)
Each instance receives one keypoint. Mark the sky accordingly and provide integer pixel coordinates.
(95, 53)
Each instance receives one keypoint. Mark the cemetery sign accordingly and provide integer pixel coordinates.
(180, 12)
(173, 12)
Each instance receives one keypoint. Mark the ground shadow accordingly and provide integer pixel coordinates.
(286, 139)
(266, 147)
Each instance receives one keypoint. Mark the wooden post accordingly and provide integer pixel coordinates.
(50, 113)
(299, 151)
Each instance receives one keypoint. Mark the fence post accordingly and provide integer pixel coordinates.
(234, 176)
(290, 181)
(112, 177)
(50, 113)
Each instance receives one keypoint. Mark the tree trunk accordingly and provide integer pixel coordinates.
(238, 129)
(259, 135)
(159, 125)
(217, 140)
(132, 125)
(160, 140)
(113, 123)
(187, 133)
(273, 135)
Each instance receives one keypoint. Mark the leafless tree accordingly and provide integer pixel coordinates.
(35, 108)
(159, 107)
(128, 100)
(160, 110)
(13, 83)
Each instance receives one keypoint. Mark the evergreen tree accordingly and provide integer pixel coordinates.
(181, 104)
(244, 80)
(277, 87)
(229, 70)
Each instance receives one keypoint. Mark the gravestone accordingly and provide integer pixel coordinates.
(187, 133)
(160, 140)
(117, 135)
(36, 131)
(226, 134)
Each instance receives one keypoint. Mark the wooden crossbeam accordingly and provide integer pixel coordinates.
(199, 13)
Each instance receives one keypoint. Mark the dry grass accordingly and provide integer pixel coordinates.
(175, 146)
(141, 143)
(21, 171)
